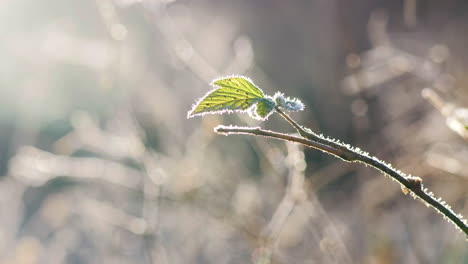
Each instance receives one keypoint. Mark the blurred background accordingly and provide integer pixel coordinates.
(98, 163)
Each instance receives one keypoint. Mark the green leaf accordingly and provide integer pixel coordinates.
(232, 94)
(263, 109)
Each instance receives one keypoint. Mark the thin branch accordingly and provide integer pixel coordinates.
(226, 130)
(347, 153)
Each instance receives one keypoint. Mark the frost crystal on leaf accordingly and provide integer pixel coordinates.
(287, 103)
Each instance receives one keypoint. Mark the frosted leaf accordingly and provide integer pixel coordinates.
(287, 103)
(231, 94)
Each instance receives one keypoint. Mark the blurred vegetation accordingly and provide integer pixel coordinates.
(98, 163)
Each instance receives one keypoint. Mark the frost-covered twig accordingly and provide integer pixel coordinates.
(345, 152)
(240, 94)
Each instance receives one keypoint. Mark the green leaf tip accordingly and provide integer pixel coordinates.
(233, 94)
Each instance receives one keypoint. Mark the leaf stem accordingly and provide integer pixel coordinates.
(299, 128)
(347, 153)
